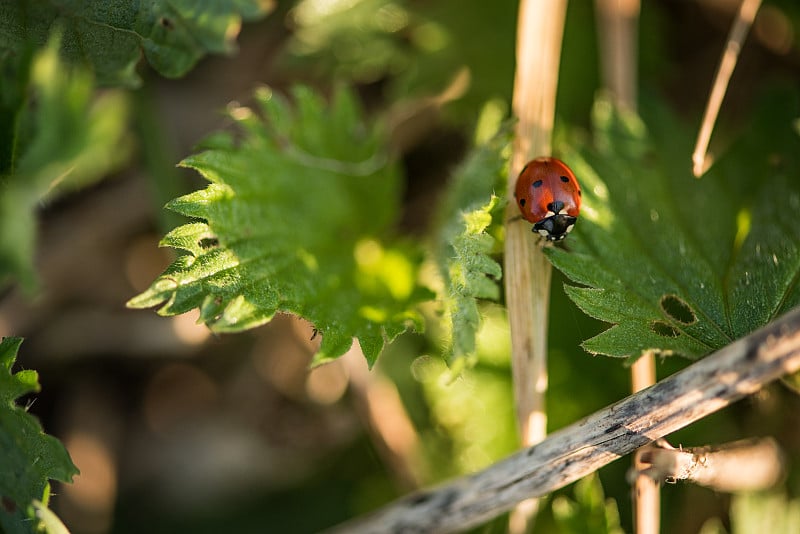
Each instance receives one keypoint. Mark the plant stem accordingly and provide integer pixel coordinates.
(646, 490)
(527, 272)
(747, 465)
(744, 19)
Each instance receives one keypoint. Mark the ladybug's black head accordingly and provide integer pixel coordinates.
(555, 227)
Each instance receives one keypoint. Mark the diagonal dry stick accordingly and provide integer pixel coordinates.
(704, 387)
(744, 19)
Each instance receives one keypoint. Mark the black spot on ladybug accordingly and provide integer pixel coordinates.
(677, 309)
(555, 206)
(522, 202)
(579, 192)
(663, 329)
(564, 179)
(166, 23)
(537, 183)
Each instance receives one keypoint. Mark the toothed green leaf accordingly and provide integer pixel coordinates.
(682, 265)
(111, 35)
(29, 458)
(298, 219)
(466, 243)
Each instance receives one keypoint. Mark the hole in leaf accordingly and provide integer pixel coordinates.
(677, 309)
(663, 329)
(208, 242)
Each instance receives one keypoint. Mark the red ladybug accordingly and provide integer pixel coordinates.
(548, 195)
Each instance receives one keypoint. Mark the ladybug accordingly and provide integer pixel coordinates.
(548, 195)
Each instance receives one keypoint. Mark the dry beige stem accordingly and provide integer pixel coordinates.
(527, 272)
(747, 465)
(744, 19)
(646, 492)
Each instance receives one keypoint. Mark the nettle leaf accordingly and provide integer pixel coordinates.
(59, 137)
(110, 35)
(681, 265)
(297, 219)
(465, 242)
(29, 458)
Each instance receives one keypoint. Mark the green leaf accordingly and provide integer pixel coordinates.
(465, 242)
(29, 458)
(590, 512)
(111, 35)
(62, 138)
(297, 219)
(679, 265)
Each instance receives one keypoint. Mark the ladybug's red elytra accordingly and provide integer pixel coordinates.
(548, 195)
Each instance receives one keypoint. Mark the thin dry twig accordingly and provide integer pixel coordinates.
(746, 465)
(646, 492)
(744, 19)
(527, 272)
(704, 387)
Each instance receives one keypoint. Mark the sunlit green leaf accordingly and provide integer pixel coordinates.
(297, 219)
(681, 265)
(29, 458)
(465, 243)
(112, 35)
